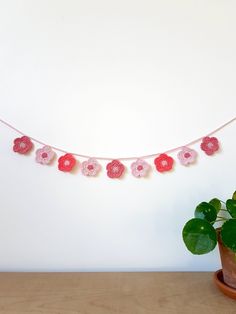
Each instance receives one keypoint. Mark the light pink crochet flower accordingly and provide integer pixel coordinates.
(90, 167)
(44, 155)
(187, 156)
(140, 168)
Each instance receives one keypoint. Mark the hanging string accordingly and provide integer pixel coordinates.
(121, 158)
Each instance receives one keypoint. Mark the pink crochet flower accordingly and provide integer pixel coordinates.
(210, 145)
(115, 169)
(187, 156)
(90, 167)
(140, 168)
(164, 163)
(44, 155)
(22, 145)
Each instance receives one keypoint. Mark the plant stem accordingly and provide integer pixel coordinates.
(222, 218)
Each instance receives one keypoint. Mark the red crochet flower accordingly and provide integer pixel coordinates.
(22, 145)
(164, 163)
(115, 169)
(210, 145)
(66, 163)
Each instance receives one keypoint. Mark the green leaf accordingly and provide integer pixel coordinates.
(234, 196)
(206, 211)
(216, 203)
(231, 206)
(199, 236)
(228, 234)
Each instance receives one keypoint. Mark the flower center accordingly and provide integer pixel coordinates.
(115, 169)
(164, 163)
(66, 163)
(210, 145)
(90, 167)
(187, 155)
(139, 168)
(22, 145)
(44, 155)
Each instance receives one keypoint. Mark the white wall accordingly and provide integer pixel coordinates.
(112, 78)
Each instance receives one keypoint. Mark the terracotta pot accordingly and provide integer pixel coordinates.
(219, 281)
(228, 261)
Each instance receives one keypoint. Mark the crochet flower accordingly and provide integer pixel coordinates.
(164, 163)
(90, 167)
(66, 163)
(187, 156)
(22, 145)
(44, 155)
(115, 169)
(140, 168)
(210, 145)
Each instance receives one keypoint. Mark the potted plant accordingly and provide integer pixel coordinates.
(200, 237)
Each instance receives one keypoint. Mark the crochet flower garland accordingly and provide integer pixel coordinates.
(115, 169)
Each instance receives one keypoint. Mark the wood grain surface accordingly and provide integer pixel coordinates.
(108, 293)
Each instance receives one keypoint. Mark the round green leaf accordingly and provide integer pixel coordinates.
(216, 203)
(228, 234)
(206, 211)
(199, 236)
(231, 206)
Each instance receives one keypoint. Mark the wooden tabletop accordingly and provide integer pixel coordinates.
(108, 293)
